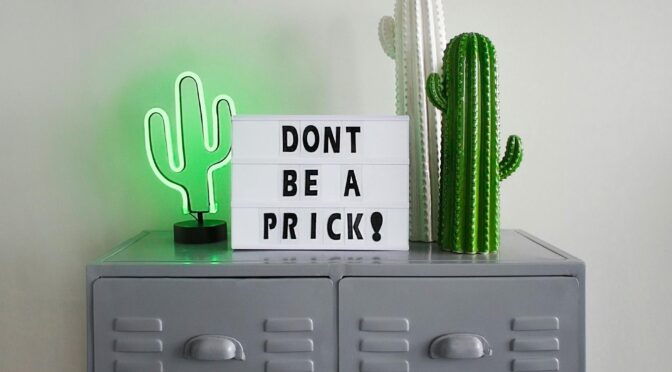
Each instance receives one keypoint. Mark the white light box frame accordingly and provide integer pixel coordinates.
(320, 182)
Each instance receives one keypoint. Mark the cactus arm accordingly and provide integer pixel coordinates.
(386, 36)
(160, 152)
(191, 111)
(512, 157)
(435, 92)
(223, 109)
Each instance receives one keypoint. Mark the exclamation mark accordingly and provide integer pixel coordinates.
(376, 224)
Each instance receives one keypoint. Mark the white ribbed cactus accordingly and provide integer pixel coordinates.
(415, 38)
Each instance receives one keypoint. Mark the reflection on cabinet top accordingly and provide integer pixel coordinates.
(155, 254)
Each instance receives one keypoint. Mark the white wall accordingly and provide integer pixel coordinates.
(586, 84)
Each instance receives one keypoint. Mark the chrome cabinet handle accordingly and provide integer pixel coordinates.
(459, 346)
(213, 347)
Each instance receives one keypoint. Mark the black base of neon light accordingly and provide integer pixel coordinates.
(199, 231)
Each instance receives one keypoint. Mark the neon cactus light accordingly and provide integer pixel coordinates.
(185, 155)
(466, 94)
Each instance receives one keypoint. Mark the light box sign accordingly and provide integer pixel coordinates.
(320, 182)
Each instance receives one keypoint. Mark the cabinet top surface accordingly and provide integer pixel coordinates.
(153, 253)
(157, 247)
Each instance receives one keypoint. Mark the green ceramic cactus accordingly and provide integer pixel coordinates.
(466, 94)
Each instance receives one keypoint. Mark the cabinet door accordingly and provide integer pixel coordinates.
(460, 324)
(208, 325)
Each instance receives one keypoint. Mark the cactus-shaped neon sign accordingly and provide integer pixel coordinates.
(185, 156)
(184, 152)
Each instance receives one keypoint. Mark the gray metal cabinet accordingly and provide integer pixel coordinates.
(396, 324)
(208, 325)
(157, 306)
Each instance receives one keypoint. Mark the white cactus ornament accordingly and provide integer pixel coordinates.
(415, 38)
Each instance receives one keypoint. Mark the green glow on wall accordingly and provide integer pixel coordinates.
(200, 146)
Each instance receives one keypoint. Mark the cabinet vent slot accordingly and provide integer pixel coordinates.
(534, 365)
(289, 345)
(303, 365)
(288, 325)
(138, 345)
(384, 345)
(138, 325)
(384, 366)
(135, 366)
(380, 324)
(535, 323)
(535, 344)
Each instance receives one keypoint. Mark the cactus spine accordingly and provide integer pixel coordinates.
(184, 157)
(414, 38)
(466, 94)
